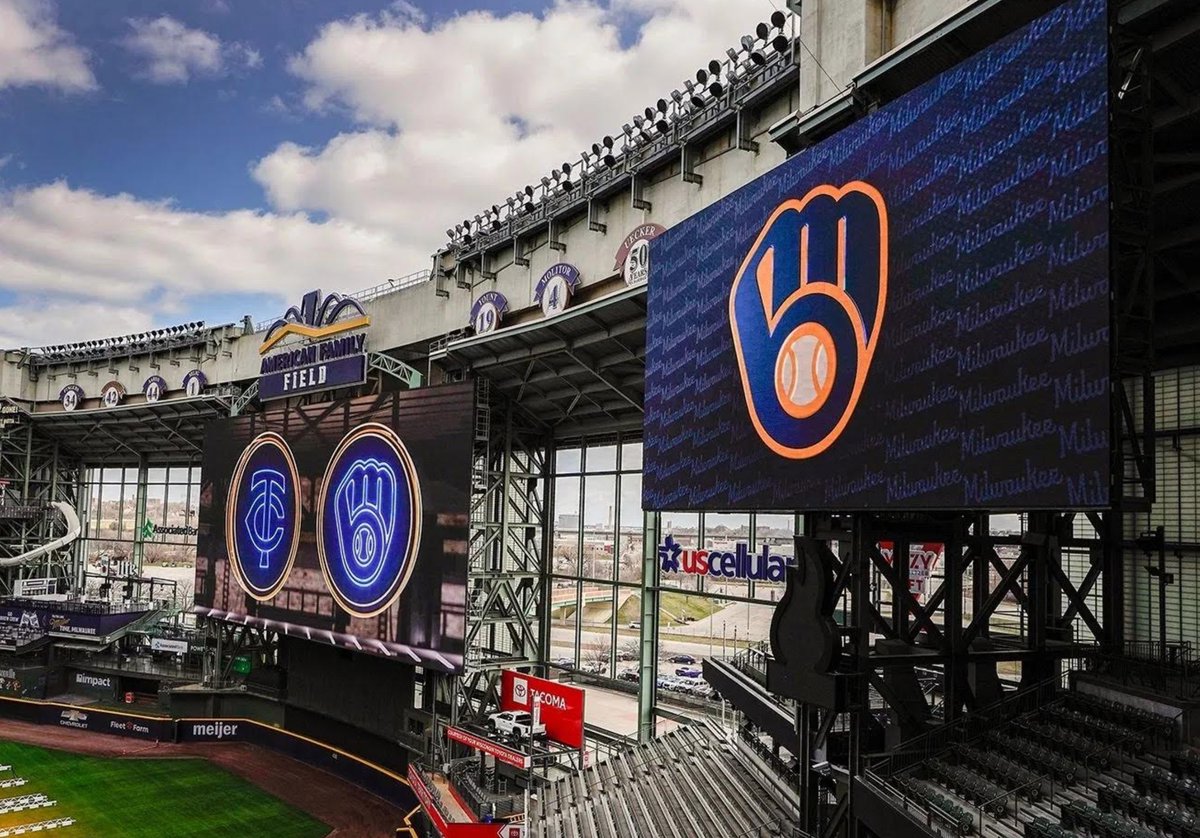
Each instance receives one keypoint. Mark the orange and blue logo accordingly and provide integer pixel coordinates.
(806, 310)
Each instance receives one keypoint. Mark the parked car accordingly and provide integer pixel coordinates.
(688, 672)
(681, 659)
(515, 723)
(593, 667)
(626, 655)
(635, 625)
(564, 663)
(629, 675)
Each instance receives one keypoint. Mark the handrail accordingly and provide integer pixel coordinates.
(372, 293)
(1087, 761)
(923, 746)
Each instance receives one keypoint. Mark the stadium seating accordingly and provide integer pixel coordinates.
(1078, 766)
(652, 789)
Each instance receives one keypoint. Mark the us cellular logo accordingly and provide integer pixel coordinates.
(806, 309)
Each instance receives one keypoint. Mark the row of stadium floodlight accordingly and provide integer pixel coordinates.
(185, 334)
(667, 120)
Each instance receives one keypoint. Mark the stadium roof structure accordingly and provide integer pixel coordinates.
(584, 367)
(167, 431)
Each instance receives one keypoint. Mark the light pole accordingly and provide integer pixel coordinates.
(724, 654)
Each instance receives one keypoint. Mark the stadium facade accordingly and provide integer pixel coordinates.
(603, 520)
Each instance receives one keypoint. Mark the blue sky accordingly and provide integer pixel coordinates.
(163, 161)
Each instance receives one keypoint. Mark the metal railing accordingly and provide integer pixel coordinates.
(1104, 759)
(366, 294)
(969, 726)
(1007, 807)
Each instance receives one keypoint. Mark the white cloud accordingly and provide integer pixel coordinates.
(459, 115)
(38, 321)
(453, 117)
(35, 51)
(100, 253)
(171, 53)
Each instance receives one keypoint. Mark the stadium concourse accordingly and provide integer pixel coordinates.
(811, 456)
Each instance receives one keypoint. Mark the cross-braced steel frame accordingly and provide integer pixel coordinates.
(38, 472)
(1041, 599)
(504, 573)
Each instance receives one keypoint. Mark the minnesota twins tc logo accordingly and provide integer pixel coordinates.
(806, 308)
(262, 517)
(369, 520)
(266, 516)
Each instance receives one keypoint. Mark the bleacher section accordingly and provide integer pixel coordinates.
(1076, 766)
(691, 783)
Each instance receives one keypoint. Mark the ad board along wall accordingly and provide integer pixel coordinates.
(343, 522)
(911, 314)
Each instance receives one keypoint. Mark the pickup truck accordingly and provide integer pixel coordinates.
(515, 723)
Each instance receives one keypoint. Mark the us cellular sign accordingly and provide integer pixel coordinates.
(913, 313)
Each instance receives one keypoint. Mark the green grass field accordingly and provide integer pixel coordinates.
(148, 798)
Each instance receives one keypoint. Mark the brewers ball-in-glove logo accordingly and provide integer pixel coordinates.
(262, 518)
(806, 309)
(369, 520)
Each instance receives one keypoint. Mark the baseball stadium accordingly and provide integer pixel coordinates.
(800, 459)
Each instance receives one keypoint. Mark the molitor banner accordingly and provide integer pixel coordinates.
(344, 522)
(561, 705)
(912, 314)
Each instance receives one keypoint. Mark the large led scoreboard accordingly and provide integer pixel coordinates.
(344, 522)
(913, 313)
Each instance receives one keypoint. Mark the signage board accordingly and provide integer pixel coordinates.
(554, 289)
(633, 257)
(923, 560)
(914, 313)
(23, 681)
(487, 311)
(194, 383)
(153, 388)
(92, 684)
(328, 356)
(739, 563)
(486, 746)
(560, 705)
(71, 396)
(166, 644)
(35, 587)
(112, 394)
(350, 518)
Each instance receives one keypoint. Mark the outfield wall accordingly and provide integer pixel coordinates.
(389, 785)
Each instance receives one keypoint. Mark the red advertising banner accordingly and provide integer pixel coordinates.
(426, 797)
(561, 705)
(923, 560)
(506, 755)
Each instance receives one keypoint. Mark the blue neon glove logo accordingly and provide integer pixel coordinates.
(806, 310)
(369, 520)
(365, 513)
(262, 516)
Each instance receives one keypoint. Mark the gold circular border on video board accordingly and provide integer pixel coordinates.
(265, 438)
(392, 439)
